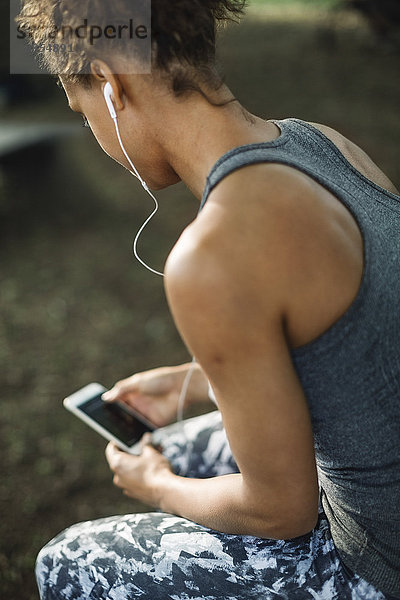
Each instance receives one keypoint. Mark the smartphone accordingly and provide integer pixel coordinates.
(113, 420)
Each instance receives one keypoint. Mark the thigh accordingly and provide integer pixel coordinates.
(155, 556)
(197, 447)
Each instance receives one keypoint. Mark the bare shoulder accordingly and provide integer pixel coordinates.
(357, 157)
(271, 238)
(252, 239)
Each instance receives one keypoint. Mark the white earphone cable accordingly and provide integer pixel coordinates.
(144, 184)
(188, 376)
(184, 389)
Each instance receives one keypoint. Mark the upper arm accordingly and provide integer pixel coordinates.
(231, 317)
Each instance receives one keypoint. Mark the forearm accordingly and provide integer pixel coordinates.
(222, 503)
(227, 503)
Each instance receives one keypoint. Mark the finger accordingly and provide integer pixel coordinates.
(117, 481)
(149, 452)
(129, 494)
(146, 440)
(113, 456)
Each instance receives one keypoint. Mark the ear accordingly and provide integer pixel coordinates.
(102, 73)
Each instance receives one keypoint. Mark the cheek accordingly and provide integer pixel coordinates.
(108, 142)
(149, 164)
(106, 136)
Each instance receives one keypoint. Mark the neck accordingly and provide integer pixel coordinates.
(192, 134)
(203, 137)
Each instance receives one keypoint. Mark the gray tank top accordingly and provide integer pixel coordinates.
(351, 373)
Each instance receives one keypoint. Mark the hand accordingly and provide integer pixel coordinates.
(139, 476)
(155, 393)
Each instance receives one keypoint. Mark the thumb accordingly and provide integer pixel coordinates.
(110, 395)
(119, 389)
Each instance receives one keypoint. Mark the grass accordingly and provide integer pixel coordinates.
(304, 3)
(76, 307)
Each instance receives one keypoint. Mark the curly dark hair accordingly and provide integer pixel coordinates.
(183, 36)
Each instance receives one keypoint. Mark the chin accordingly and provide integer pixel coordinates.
(160, 184)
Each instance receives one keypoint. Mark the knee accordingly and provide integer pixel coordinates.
(42, 571)
(52, 564)
(46, 570)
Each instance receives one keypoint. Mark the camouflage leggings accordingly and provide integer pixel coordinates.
(158, 556)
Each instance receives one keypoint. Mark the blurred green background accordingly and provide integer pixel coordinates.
(76, 306)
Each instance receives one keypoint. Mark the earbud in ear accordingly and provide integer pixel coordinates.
(107, 97)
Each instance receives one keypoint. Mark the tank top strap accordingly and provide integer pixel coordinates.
(306, 148)
(248, 154)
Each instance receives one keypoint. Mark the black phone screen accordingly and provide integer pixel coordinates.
(116, 419)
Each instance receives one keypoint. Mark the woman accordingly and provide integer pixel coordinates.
(275, 289)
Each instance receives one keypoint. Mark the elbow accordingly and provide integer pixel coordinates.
(293, 526)
(285, 520)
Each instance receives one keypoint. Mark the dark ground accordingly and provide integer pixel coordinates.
(75, 305)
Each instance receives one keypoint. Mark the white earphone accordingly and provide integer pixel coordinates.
(108, 91)
(111, 109)
(107, 96)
